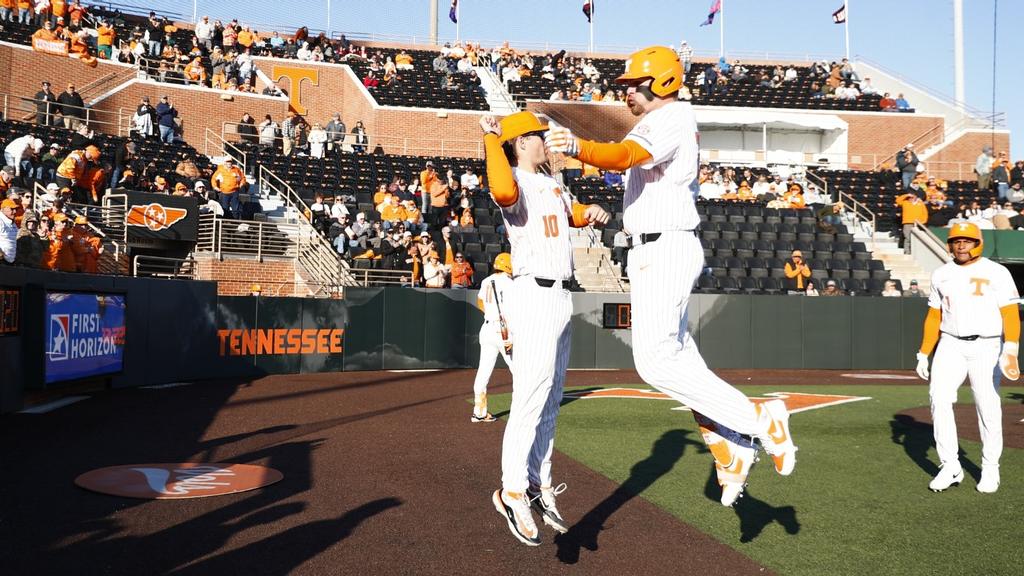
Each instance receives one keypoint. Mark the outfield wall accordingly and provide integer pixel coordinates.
(182, 331)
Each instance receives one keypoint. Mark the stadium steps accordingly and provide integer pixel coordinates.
(594, 269)
(498, 98)
(903, 267)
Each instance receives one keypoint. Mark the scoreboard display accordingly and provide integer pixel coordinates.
(617, 316)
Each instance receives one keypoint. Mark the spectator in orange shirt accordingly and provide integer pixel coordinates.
(797, 272)
(74, 165)
(46, 32)
(439, 195)
(466, 222)
(795, 196)
(59, 255)
(462, 272)
(195, 73)
(392, 214)
(105, 36)
(413, 217)
(914, 211)
(228, 181)
(85, 246)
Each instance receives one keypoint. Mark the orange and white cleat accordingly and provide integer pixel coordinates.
(777, 440)
(515, 509)
(734, 456)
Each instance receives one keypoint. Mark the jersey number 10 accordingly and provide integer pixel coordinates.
(551, 226)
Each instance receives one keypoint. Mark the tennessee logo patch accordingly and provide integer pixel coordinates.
(154, 216)
(795, 401)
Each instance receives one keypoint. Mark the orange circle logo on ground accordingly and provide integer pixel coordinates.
(178, 480)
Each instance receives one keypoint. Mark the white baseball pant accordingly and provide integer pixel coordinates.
(541, 339)
(490, 346)
(662, 274)
(954, 360)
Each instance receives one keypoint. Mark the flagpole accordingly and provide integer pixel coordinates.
(458, 22)
(328, 18)
(195, 11)
(592, 13)
(721, 28)
(846, 26)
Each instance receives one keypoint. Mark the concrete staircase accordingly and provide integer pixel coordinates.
(498, 98)
(594, 269)
(885, 247)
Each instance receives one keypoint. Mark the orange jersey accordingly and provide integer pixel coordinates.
(912, 211)
(393, 213)
(74, 165)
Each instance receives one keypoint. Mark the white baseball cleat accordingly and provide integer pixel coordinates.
(777, 441)
(516, 511)
(542, 500)
(989, 480)
(950, 474)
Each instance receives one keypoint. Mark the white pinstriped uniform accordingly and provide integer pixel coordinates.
(970, 298)
(660, 198)
(538, 317)
(492, 291)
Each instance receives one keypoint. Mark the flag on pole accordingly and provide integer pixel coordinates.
(588, 9)
(839, 16)
(452, 13)
(716, 7)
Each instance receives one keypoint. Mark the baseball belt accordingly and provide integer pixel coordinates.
(970, 338)
(641, 239)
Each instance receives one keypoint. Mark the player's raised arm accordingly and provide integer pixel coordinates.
(504, 189)
(607, 156)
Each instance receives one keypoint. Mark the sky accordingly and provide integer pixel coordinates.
(911, 37)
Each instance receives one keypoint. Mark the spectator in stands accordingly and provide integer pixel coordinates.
(289, 132)
(710, 80)
(983, 168)
(469, 180)
(86, 247)
(72, 107)
(915, 211)
(124, 157)
(685, 55)
(906, 161)
(74, 166)
(866, 88)
(435, 274)
(797, 272)
(155, 35)
(414, 217)
(165, 115)
(21, 152)
(914, 291)
(47, 169)
(46, 105)
(831, 289)
(887, 103)
(890, 290)
(8, 232)
(105, 36)
(268, 133)
(811, 290)
(935, 197)
(187, 169)
(1001, 175)
(335, 133)
(228, 181)
(461, 272)
(29, 246)
(901, 103)
(361, 139)
(59, 255)
(317, 141)
(1015, 194)
(393, 213)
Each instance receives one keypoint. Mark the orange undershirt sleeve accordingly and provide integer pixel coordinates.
(613, 156)
(931, 330)
(578, 220)
(503, 186)
(1011, 323)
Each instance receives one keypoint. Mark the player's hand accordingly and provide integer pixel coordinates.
(594, 214)
(489, 124)
(1008, 361)
(560, 140)
(508, 347)
(922, 366)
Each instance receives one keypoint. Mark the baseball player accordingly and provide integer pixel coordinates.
(537, 214)
(973, 317)
(665, 259)
(494, 334)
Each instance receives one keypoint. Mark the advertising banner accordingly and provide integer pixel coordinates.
(85, 335)
(159, 217)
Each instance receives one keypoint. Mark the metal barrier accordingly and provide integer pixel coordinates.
(15, 104)
(226, 149)
(379, 277)
(164, 267)
(258, 240)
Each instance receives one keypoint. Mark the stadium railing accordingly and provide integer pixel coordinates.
(160, 266)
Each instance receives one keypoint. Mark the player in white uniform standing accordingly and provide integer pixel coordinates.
(972, 304)
(494, 334)
(665, 260)
(537, 216)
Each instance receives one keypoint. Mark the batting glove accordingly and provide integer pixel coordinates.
(560, 140)
(922, 366)
(1008, 361)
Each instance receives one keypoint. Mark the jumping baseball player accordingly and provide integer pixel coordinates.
(973, 317)
(665, 259)
(537, 216)
(494, 335)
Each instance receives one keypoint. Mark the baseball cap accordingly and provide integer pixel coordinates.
(830, 283)
(161, 180)
(81, 220)
(54, 146)
(8, 203)
(58, 217)
(200, 185)
(430, 163)
(52, 187)
(913, 282)
(424, 234)
(180, 186)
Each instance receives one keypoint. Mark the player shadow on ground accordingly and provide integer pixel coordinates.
(666, 451)
(565, 399)
(1016, 396)
(917, 438)
(755, 515)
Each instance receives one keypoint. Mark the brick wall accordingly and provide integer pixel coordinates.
(955, 161)
(877, 136)
(235, 277)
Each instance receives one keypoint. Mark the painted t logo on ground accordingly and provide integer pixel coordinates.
(795, 401)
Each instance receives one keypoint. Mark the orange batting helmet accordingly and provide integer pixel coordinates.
(658, 63)
(970, 231)
(518, 124)
(503, 262)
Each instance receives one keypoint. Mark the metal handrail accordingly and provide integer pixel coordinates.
(248, 238)
(933, 242)
(379, 277)
(27, 104)
(101, 230)
(605, 262)
(860, 212)
(235, 152)
(144, 265)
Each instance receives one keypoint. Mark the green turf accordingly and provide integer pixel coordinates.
(857, 503)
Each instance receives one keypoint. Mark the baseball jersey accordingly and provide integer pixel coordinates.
(492, 292)
(660, 193)
(970, 297)
(538, 227)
